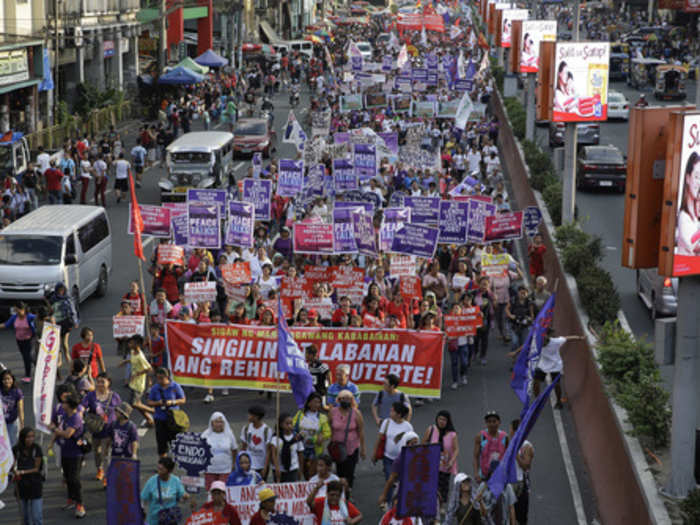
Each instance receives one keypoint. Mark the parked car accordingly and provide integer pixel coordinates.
(618, 105)
(588, 133)
(366, 50)
(253, 135)
(601, 167)
(658, 293)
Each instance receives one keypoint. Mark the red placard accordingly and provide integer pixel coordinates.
(234, 356)
(171, 254)
(295, 288)
(318, 273)
(465, 323)
(206, 517)
(236, 273)
(410, 287)
(503, 226)
(370, 321)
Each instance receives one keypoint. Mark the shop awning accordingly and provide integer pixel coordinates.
(180, 76)
(193, 66)
(19, 85)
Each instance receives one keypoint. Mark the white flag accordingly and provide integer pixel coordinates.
(423, 37)
(472, 38)
(461, 66)
(455, 31)
(403, 57)
(464, 110)
(45, 376)
(393, 41)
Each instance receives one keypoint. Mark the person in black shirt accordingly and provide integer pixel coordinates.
(319, 371)
(520, 313)
(27, 473)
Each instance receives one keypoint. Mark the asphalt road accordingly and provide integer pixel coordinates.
(488, 389)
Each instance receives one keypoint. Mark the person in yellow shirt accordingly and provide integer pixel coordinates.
(137, 380)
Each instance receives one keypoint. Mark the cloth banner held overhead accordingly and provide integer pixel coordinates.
(45, 376)
(233, 356)
(123, 492)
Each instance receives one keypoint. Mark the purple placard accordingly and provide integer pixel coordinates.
(343, 230)
(415, 239)
(341, 137)
(344, 175)
(356, 63)
(179, 224)
(402, 84)
(424, 210)
(431, 79)
(391, 140)
(364, 233)
(431, 61)
(259, 192)
(291, 177)
(463, 84)
(454, 216)
(366, 205)
(203, 225)
(478, 211)
(394, 218)
(208, 196)
(241, 224)
(418, 481)
(387, 63)
(419, 74)
(365, 161)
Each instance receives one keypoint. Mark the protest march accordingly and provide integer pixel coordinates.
(285, 350)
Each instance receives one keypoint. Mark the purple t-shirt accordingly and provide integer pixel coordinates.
(123, 439)
(103, 409)
(10, 400)
(69, 447)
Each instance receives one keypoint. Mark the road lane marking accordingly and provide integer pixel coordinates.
(238, 166)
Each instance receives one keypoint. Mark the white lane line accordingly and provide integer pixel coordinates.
(141, 432)
(238, 166)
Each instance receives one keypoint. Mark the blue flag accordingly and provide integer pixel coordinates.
(521, 369)
(506, 471)
(290, 359)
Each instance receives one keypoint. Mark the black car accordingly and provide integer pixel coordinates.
(601, 167)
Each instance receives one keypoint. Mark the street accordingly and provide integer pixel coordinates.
(488, 389)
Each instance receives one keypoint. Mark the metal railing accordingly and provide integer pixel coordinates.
(96, 123)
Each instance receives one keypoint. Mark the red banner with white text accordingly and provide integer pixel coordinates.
(236, 356)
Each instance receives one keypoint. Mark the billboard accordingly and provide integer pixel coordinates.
(507, 18)
(692, 6)
(581, 81)
(532, 33)
(686, 210)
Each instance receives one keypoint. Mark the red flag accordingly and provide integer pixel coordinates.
(136, 220)
(482, 41)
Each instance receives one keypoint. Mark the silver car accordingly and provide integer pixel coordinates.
(658, 293)
(586, 133)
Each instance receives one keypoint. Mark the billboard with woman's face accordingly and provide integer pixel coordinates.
(581, 81)
(507, 21)
(686, 252)
(532, 33)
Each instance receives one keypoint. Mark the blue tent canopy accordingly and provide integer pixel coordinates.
(210, 59)
(180, 76)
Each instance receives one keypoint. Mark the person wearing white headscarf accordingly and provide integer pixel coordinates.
(409, 439)
(463, 506)
(223, 449)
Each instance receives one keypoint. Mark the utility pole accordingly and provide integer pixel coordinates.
(568, 196)
(162, 36)
(56, 52)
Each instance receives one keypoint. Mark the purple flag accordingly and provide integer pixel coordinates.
(418, 481)
(414, 239)
(453, 222)
(241, 224)
(291, 177)
(203, 225)
(391, 140)
(291, 359)
(259, 192)
(123, 493)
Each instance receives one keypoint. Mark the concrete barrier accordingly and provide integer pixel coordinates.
(623, 488)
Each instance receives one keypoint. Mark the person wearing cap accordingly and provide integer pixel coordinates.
(489, 445)
(219, 505)
(123, 433)
(464, 508)
(267, 499)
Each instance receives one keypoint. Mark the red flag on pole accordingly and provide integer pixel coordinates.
(482, 41)
(136, 220)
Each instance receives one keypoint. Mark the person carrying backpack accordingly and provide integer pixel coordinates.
(28, 474)
(386, 397)
(489, 445)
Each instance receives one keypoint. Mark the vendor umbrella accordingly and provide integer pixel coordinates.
(190, 64)
(180, 76)
(211, 59)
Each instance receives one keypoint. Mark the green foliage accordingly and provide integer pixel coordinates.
(569, 234)
(516, 114)
(623, 359)
(90, 98)
(552, 195)
(540, 164)
(598, 295)
(498, 75)
(690, 507)
(579, 258)
(646, 403)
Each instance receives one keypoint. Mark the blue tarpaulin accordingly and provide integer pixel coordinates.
(47, 80)
(180, 76)
(210, 59)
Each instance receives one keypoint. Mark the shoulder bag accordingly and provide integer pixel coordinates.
(381, 442)
(170, 515)
(178, 421)
(94, 423)
(338, 450)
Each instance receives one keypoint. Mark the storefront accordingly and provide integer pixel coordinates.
(21, 72)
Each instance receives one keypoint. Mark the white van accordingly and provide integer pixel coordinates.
(304, 47)
(62, 243)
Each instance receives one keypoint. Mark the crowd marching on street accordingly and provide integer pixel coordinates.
(473, 297)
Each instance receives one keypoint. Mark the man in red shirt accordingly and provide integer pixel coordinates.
(89, 352)
(337, 512)
(53, 183)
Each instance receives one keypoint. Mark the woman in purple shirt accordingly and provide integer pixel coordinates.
(12, 400)
(69, 435)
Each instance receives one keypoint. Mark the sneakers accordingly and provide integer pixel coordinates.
(483, 362)
(208, 398)
(100, 474)
(26, 380)
(464, 380)
(454, 385)
(70, 504)
(104, 483)
(79, 511)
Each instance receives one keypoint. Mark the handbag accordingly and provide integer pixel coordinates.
(381, 444)
(177, 420)
(338, 450)
(95, 423)
(170, 515)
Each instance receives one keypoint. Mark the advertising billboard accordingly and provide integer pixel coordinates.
(581, 81)
(507, 21)
(692, 6)
(686, 246)
(532, 33)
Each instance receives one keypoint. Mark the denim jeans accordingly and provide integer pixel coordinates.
(459, 362)
(518, 334)
(13, 431)
(32, 511)
(387, 465)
